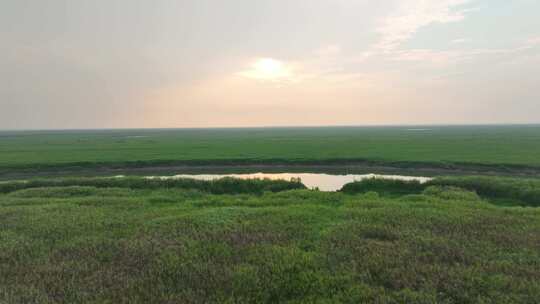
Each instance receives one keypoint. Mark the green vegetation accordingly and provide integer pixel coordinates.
(499, 190)
(138, 240)
(517, 191)
(154, 241)
(220, 186)
(488, 147)
(387, 187)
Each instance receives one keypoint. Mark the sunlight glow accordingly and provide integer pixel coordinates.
(269, 66)
(268, 69)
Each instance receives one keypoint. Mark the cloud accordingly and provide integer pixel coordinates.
(432, 57)
(412, 15)
(525, 51)
(533, 41)
(460, 41)
(329, 50)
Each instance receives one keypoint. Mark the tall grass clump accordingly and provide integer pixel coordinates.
(383, 186)
(519, 191)
(219, 186)
(452, 193)
(524, 190)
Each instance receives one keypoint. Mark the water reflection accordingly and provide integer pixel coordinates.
(324, 182)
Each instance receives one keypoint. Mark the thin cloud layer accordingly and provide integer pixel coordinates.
(186, 63)
(411, 15)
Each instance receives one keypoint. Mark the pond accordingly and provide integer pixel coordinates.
(322, 181)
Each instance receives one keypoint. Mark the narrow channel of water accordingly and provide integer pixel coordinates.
(324, 182)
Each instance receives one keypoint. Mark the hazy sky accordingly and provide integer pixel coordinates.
(200, 63)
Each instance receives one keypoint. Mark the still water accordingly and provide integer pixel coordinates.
(324, 182)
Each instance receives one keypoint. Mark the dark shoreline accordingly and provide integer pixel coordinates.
(331, 166)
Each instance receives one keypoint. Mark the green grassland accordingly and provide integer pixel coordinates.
(136, 240)
(400, 146)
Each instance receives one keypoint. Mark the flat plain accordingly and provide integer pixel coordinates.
(435, 145)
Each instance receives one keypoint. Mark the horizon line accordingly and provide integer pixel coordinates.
(276, 127)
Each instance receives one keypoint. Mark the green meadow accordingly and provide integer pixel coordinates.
(459, 239)
(134, 240)
(400, 146)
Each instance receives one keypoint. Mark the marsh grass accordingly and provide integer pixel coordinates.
(384, 186)
(132, 242)
(498, 190)
(219, 186)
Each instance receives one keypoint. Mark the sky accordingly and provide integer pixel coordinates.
(70, 64)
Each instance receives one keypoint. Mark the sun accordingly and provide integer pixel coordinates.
(269, 66)
(268, 69)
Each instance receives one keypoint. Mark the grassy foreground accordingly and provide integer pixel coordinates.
(436, 146)
(165, 243)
